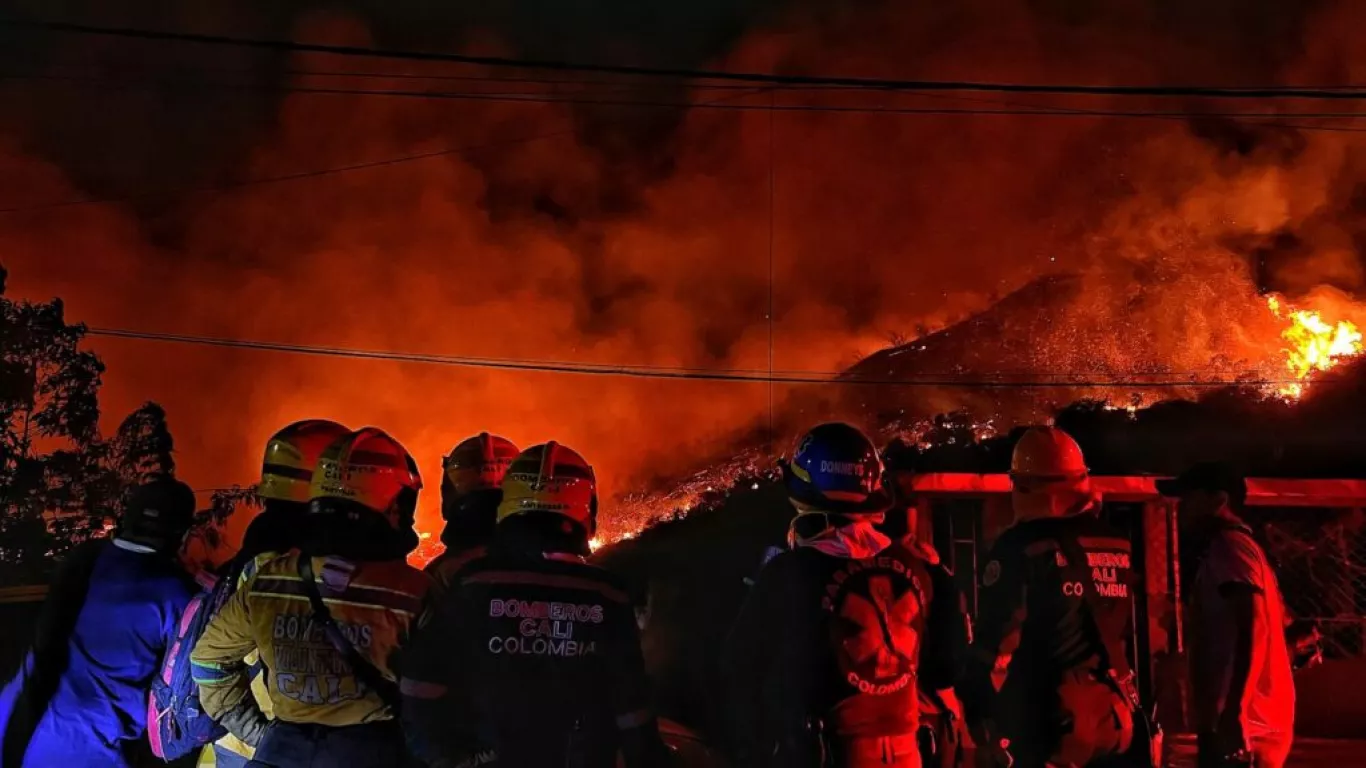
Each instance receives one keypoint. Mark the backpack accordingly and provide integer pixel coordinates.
(176, 722)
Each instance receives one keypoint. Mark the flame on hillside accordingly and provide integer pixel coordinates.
(1314, 344)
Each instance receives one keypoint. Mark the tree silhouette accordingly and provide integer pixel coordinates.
(204, 542)
(52, 488)
(60, 483)
(141, 450)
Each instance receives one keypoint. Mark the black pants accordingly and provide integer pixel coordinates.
(298, 745)
(1083, 723)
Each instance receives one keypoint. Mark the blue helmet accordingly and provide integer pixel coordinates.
(836, 469)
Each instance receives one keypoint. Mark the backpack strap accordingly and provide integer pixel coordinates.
(1125, 687)
(366, 672)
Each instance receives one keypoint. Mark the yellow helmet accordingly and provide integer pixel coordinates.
(372, 469)
(292, 454)
(478, 464)
(551, 478)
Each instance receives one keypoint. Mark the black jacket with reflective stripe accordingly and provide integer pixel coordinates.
(1057, 595)
(535, 657)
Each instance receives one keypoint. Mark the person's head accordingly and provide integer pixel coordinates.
(157, 514)
(367, 481)
(900, 522)
(552, 487)
(286, 477)
(833, 479)
(1048, 475)
(472, 488)
(1203, 493)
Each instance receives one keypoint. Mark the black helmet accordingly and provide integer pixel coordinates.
(157, 513)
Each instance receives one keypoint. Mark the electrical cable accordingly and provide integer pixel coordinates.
(1349, 92)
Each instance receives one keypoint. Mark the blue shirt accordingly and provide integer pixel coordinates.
(129, 617)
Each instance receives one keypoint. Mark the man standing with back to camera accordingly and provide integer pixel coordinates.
(1048, 683)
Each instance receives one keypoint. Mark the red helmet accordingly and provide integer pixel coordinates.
(372, 469)
(476, 464)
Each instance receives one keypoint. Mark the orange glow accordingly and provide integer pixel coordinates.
(1314, 344)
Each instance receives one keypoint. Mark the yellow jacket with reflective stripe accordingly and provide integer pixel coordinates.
(258, 684)
(307, 680)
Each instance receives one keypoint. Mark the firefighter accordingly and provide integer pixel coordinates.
(286, 477)
(532, 657)
(471, 489)
(1048, 681)
(328, 619)
(825, 662)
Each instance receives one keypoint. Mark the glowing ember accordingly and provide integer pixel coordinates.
(594, 543)
(1314, 344)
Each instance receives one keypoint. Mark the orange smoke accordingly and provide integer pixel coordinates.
(627, 236)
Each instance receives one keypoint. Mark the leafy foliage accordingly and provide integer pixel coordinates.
(141, 450)
(60, 483)
(206, 532)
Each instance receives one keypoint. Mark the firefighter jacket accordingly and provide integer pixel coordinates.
(830, 647)
(308, 680)
(1055, 601)
(231, 750)
(446, 565)
(535, 658)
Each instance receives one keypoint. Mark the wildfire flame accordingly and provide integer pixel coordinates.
(1314, 344)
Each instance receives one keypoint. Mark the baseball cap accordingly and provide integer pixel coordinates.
(157, 512)
(1210, 476)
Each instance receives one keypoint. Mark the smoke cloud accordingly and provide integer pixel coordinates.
(610, 234)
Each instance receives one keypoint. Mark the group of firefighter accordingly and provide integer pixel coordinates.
(853, 648)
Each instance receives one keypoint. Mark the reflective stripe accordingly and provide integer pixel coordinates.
(355, 594)
(1042, 546)
(634, 719)
(1104, 542)
(419, 689)
(335, 601)
(212, 674)
(294, 473)
(548, 580)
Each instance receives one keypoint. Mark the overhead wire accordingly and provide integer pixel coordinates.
(718, 105)
(680, 373)
(1348, 92)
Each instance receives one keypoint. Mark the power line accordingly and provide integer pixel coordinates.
(677, 374)
(1297, 92)
(547, 97)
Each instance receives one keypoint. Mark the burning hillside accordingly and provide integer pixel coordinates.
(1312, 344)
(294, 198)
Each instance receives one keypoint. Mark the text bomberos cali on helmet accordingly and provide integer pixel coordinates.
(291, 456)
(372, 469)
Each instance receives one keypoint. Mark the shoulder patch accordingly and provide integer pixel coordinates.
(992, 573)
